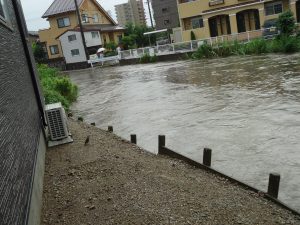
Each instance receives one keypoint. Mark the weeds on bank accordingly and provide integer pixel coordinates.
(283, 43)
(56, 87)
(146, 58)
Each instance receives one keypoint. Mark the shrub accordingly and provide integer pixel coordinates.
(224, 49)
(256, 46)
(57, 88)
(111, 53)
(204, 51)
(286, 23)
(111, 46)
(146, 58)
(286, 44)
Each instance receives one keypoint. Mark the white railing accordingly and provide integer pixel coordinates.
(189, 46)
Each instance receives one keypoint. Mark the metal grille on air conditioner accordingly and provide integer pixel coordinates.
(57, 123)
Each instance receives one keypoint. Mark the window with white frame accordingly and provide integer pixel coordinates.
(72, 37)
(54, 49)
(96, 18)
(75, 52)
(273, 8)
(63, 22)
(95, 34)
(197, 22)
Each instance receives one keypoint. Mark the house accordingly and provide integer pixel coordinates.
(62, 17)
(131, 12)
(213, 18)
(72, 45)
(22, 138)
(33, 36)
(165, 14)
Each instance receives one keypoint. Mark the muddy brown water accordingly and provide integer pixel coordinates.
(247, 109)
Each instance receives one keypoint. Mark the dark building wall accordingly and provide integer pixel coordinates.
(165, 10)
(20, 124)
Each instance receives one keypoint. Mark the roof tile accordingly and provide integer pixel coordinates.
(61, 6)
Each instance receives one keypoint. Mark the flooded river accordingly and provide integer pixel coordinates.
(247, 109)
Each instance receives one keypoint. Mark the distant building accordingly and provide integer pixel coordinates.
(22, 137)
(165, 14)
(131, 12)
(62, 17)
(33, 36)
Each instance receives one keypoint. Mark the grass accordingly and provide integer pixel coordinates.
(56, 87)
(146, 58)
(281, 44)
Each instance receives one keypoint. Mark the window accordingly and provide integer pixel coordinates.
(2, 10)
(85, 18)
(273, 8)
(95, 34)
(96, 18)
(4, 18)
(63, 22)
(72, 37)
(54, 49)
(75, 52)
(197, 22)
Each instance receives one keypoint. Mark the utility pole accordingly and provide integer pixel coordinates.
(81, 31)
(148, 2)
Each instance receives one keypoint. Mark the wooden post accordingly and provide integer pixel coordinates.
(93, 124)
(207, 157)
(133, 138)
(161, 142)
(273, 188)
(110, 129)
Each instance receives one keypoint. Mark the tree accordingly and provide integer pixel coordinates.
(193, 36)
(286, 23)
(127, 42)
(136, 34)
(38, 52)
(111, 46)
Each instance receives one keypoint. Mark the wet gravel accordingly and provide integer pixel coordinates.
(110, 181)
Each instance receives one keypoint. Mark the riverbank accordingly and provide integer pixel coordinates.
(110, 181)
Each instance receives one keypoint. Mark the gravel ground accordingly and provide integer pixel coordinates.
(110, 181)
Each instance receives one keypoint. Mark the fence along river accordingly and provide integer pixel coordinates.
(245, 108)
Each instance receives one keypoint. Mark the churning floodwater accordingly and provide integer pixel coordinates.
(247, 109)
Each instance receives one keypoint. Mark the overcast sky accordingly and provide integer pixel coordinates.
(34, 9)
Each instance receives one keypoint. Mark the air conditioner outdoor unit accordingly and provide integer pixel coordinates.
(57, 125)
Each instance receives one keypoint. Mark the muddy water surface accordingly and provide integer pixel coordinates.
(247, 109)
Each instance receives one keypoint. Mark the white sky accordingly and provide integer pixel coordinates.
(34, 9)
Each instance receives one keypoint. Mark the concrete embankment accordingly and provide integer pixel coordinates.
(110, 181)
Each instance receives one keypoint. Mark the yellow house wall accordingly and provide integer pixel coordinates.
(49, 36)
(195, 8)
